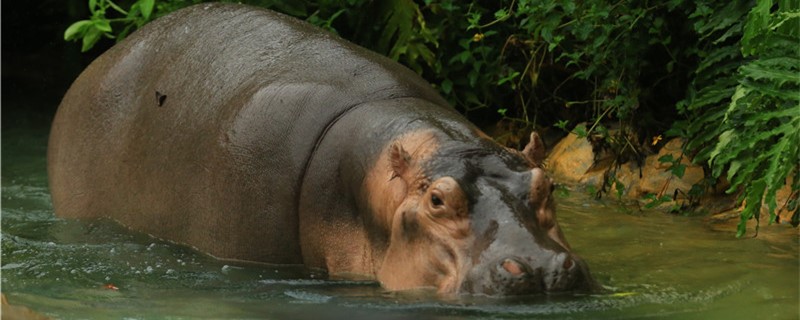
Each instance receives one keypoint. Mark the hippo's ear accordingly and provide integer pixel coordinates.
(400, 159)
(535, 151)
(541, 199)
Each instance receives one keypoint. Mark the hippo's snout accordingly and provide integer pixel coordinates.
(517, 276)
(512, 276)
(514, 267)
(565, 272)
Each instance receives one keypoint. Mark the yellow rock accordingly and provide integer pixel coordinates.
(570, 159)
(656, 177)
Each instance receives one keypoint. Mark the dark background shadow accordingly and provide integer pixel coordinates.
(38, 66)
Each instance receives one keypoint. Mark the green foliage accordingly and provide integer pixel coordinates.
(99, 24)
(395, 28)
(745, 108)
(562, 124)
(655, 201)
(545, 60)
(535, 62)
(561, 191)
(620, 188)
(676, 167)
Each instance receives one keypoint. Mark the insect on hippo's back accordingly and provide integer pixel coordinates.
(284, 144)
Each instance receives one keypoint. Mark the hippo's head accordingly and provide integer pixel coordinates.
(475, 219)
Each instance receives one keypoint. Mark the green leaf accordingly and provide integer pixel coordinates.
(501, 14)
(741, 176)
(666, 158)
(77, 30)
(710, 96)
(758, 71)
(620, 188)
(733, 105)
(102, 25)
(124, 33)
(655, 201)
(472, 76)
(511, 77)
(474, 19)
(749, 141)
(757, 21)
(91, 37)
(724, 139)
(734, 167)
(447, 86)
(771, 90)
(678, 170)
(462, 57)
(752, 208)
(147, 8)
(569, 6)
(731, 32)
(398, 17)
(782, 62)
(580, 131)
(725, 18)
(562, 124)
(92, 6)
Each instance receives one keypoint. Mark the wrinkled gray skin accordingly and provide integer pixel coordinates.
(253, 136)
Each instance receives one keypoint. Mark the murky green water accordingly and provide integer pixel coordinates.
(659, 266)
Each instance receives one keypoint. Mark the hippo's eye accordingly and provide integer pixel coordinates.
(436, 201)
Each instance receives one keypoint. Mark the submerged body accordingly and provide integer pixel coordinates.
(253, 136)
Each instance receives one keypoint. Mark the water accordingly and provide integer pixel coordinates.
(655, 265)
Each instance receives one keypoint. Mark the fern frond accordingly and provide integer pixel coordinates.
(770, 72)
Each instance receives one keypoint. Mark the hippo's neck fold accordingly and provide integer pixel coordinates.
(350, 150)
(334, 121)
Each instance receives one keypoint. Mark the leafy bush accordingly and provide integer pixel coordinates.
(540, 62)
(529, 61)
(99, 25)
(746, 104)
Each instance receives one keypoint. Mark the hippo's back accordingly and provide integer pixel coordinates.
(198, 127)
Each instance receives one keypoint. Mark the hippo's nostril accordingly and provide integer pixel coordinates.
(513, 267)
(568, 263)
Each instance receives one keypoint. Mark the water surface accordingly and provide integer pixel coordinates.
(655, 265)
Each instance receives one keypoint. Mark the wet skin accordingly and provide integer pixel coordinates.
(518, 246)
(279, 143)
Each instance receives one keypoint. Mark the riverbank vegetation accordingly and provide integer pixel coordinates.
(627, 76)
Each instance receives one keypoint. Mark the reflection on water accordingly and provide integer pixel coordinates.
(654, 265)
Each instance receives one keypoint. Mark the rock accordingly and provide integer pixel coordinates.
(654, 177)
(570, 159)
(658, 179)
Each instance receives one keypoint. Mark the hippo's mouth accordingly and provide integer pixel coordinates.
(515, 276)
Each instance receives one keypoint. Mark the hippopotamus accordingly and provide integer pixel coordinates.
(253, 136)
